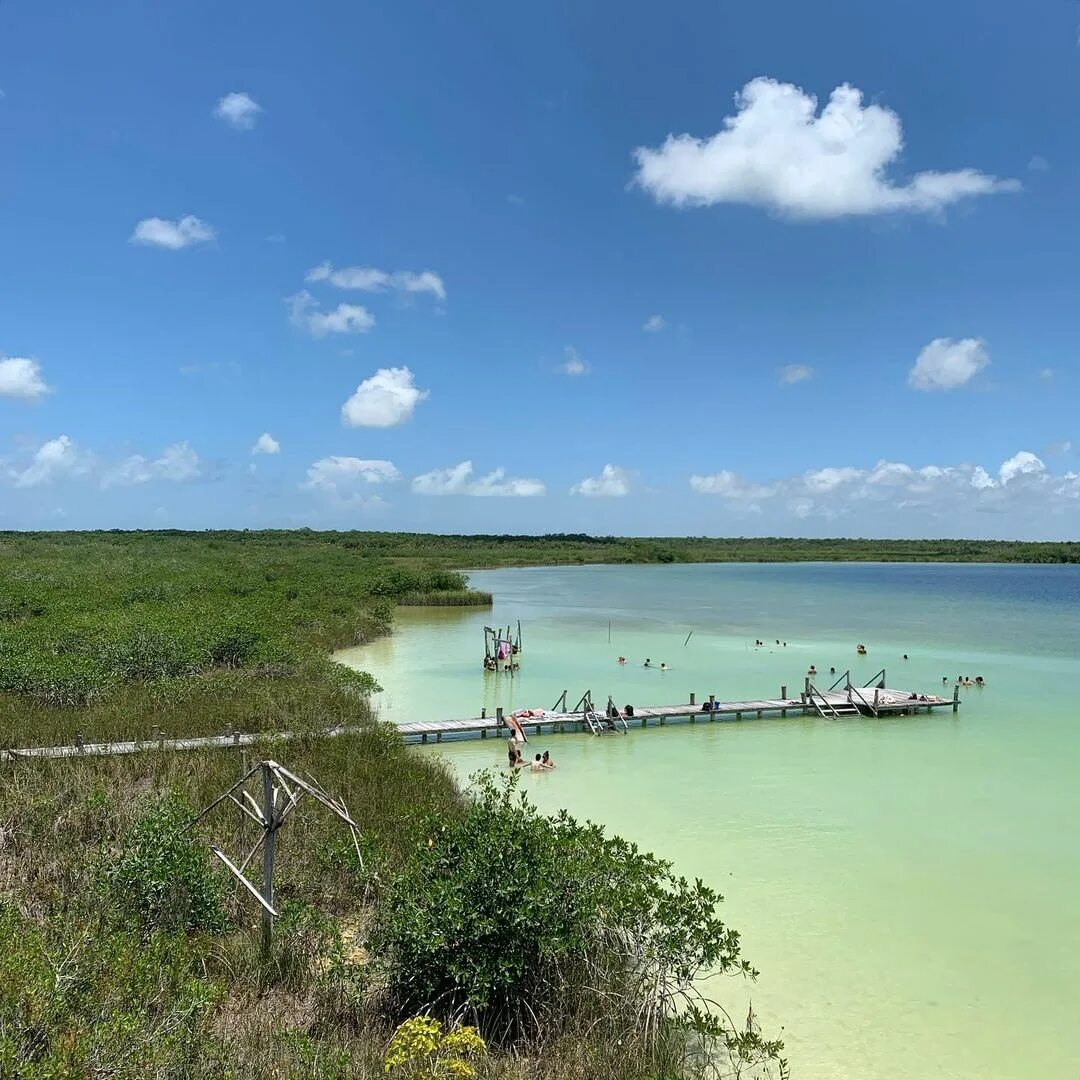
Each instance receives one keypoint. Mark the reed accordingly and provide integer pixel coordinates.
(461, 598)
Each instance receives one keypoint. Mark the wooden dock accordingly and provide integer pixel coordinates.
(833, 704)
(836, 703)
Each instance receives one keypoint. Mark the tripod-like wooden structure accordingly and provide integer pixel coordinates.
(281, 791)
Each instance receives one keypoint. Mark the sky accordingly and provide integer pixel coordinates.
(702, 268)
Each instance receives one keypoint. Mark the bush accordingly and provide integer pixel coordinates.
(162, 878)
(82, 1002)
(521, 922)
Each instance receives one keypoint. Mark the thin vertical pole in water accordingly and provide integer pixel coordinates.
(956, 698)
(688, 637)
(609, 631)
(268, 855)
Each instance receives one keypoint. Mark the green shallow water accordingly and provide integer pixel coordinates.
(908, 888)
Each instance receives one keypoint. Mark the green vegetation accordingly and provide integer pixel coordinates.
(126, 951)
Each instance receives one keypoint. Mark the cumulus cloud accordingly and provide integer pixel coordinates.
(613, 481)
(946, 364)
(778, 152)
(238, 110)
(573, 364)
(1024, 463)
(458, 480)
(53, 460)
(20, 377)
(266, 444)
(1023, 483)
(347, 479)
(370, 279)
(386, 399)
(654, 323)
(172, 235)
(306, 313)
(795, 373)
(177, 463)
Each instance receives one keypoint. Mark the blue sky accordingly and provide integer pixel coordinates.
(702, 268)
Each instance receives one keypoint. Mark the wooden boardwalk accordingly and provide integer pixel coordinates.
(832, 704)
(853, 702)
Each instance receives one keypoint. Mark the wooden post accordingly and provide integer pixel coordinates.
(79, 744)
(712, 707)
(691, 699)
(955, 698)
(155, 733)
(783, 693)
(483, 713)
(808, 685)
(270, 817)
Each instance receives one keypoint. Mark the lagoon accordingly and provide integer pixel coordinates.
(909, 888)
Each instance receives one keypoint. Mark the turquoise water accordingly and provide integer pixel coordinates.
(908, 888)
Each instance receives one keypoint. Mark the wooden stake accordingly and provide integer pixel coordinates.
(269, 844)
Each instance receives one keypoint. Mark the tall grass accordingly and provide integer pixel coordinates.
(460, 598)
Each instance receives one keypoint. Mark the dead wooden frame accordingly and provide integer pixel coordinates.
(281, 791)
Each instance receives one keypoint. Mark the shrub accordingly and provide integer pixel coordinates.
(421, 1050)
(161, 877)
(522, 922)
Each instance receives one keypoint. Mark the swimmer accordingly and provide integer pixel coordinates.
(548, 763)
(663, 667)
(622, 659)
(648, 662)
(905, 656)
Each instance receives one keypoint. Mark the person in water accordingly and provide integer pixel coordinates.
(537, 764)
(622, 659)
(648, 662)
(663, 667)
(979, 681)
(546, 759)
(512, 750)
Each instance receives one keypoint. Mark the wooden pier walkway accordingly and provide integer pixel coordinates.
(832, 704)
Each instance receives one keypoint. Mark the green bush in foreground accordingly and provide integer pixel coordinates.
(516, 921)
(161, 879)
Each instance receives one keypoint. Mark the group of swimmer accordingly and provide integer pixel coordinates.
(758, 642)
(964, 680)
(491, 664)
(540, 763)
(648, 663)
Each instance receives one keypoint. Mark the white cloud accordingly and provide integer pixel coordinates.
(795, 373)
(1023, 463)
(344, 479)
(370, 279)
(654, 323)
(612, 481)
(386, 399)
(730, 485)
(946, 364)
(1047, 373)
(458, 480)
(173, 235)
(779, 153)
(305, 312)
(177, 463)
(238, 110)
(20, 377)
(57, 458)
(573, 364)
(891, 490)
(1060, 448)
(1038, 164)
(266, 444)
